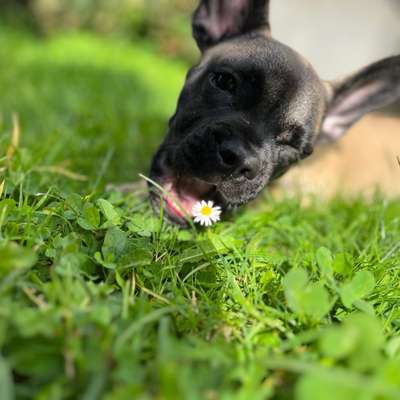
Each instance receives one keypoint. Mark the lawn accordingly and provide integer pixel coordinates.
(99, 299)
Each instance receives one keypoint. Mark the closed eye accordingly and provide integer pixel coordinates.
(291, 137)
(224, 81)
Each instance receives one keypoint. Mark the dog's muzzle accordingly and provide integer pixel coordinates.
(210, 164)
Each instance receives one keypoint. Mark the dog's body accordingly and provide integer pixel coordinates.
(253, 107)
(364, 162)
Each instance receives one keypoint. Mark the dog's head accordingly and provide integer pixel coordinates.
(253, 107)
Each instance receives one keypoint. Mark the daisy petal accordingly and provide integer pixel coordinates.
(196, 209)
(205, 213)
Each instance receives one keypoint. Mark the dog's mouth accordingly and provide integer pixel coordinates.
(180, 195)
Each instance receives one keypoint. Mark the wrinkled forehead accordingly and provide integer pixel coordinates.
(282, 70)
(257, 52)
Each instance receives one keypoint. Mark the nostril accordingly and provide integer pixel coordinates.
(249, 168)
(249, 173)
(228, 157)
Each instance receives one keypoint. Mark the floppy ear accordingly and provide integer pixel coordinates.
(371, 88)
(216, 20)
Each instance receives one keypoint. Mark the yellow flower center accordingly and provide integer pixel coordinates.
(206, 211)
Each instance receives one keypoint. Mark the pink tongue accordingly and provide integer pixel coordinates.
(175, 203)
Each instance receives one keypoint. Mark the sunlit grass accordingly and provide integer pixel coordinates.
(99, 299)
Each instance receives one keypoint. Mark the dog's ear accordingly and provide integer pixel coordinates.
(216, 20)
(371, 88)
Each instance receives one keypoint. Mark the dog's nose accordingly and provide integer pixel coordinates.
(236, 160)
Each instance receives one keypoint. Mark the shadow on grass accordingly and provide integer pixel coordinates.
(87, 101)
(81, 113)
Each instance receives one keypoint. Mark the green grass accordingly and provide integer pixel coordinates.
(101, 300)
(80, 98)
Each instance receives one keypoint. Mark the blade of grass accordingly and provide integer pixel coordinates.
(15, 136)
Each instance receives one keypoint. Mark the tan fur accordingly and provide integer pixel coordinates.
(367, 158)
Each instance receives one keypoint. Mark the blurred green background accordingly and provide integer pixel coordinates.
(98, 297)
(164, 22)
(93, 82)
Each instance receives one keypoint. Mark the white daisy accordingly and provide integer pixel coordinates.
(205, 213)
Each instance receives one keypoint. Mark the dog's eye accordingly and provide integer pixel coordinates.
(291, 137)
(223, 81)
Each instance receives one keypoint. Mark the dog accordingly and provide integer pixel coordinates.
(252, 108)
(365, 162)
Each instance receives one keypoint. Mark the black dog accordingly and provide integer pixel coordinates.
(253, 107)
